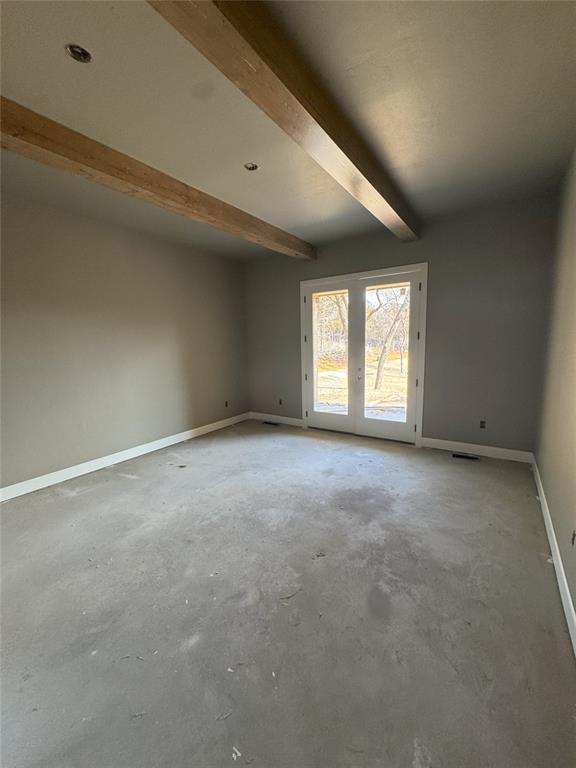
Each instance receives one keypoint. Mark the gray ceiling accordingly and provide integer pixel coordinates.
(466, 102)
(24, 179)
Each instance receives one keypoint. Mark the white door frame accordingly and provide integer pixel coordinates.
(419, 271)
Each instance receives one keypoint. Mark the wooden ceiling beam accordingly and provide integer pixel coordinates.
(242, 40)
(39, 138)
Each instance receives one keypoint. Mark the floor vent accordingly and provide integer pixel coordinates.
(468, 456)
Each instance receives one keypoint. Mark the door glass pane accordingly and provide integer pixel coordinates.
(330, 323)
(386, 361)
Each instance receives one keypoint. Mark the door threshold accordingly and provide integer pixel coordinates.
(359, 434)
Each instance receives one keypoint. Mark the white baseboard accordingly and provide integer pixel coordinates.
(289, 420)
(52, 478)
(563, 586)
(509, 454)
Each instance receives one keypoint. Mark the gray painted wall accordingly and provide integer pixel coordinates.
(110, 339)
(488, 301)
(556, 452)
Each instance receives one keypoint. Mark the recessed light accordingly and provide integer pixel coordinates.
(251, 166)
(78, 53)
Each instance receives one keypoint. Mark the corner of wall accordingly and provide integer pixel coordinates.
(555, 453)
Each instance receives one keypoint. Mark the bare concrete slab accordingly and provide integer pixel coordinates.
(285, 599)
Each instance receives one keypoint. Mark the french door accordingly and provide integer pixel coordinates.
(363, 352)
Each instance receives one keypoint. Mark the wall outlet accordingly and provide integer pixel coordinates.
(225, 403)
(482, 423)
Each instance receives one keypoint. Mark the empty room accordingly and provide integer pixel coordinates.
(288, 384)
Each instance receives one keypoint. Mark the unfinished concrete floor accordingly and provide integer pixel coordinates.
(291, 599)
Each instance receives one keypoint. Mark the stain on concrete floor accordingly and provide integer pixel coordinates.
(287, 599)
